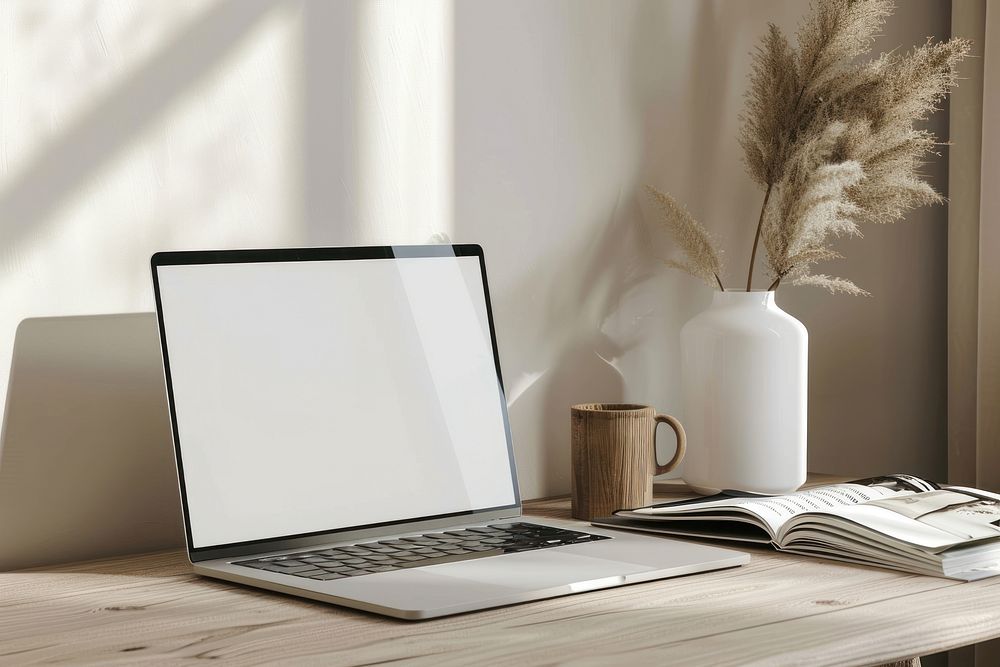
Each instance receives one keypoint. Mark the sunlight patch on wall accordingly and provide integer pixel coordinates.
(208, 168)
(404, 120)
(60, 58)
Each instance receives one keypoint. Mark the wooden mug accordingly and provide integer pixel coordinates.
(614, 456)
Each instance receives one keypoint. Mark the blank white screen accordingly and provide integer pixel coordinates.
(311, 396)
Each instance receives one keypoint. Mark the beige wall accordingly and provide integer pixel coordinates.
(527, 126)
(561, 115)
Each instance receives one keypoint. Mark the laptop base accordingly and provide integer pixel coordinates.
(453, 588)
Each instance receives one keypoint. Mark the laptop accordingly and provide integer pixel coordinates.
(86, 457)
(341, 434)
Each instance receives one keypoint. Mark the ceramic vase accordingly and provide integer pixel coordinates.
(743, 369)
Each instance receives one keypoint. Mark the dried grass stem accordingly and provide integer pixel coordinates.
(756, 237)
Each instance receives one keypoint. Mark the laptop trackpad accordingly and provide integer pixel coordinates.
(466, 585)
(537, 570)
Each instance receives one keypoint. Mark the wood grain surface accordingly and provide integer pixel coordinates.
(779, 610)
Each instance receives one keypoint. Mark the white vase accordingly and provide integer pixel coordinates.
(743, 369)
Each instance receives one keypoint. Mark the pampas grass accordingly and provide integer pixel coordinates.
(830, 138)
(703, 259)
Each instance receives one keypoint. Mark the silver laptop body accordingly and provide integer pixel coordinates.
(341, 434)
(86, 460)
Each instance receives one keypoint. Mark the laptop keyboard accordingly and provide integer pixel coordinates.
(419, 550)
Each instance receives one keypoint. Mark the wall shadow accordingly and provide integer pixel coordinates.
(108, 128)
(328, 144)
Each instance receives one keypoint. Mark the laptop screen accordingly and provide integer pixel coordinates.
(312, 396)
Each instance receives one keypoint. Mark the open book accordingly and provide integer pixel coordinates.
(898, 521)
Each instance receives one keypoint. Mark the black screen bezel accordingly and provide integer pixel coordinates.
(192, 257)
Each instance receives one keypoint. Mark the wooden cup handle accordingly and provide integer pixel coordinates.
(681, 443)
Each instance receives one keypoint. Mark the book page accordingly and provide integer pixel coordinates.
(774, 511)
(934, 520)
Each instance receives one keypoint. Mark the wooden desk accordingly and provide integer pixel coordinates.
(778, 610)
